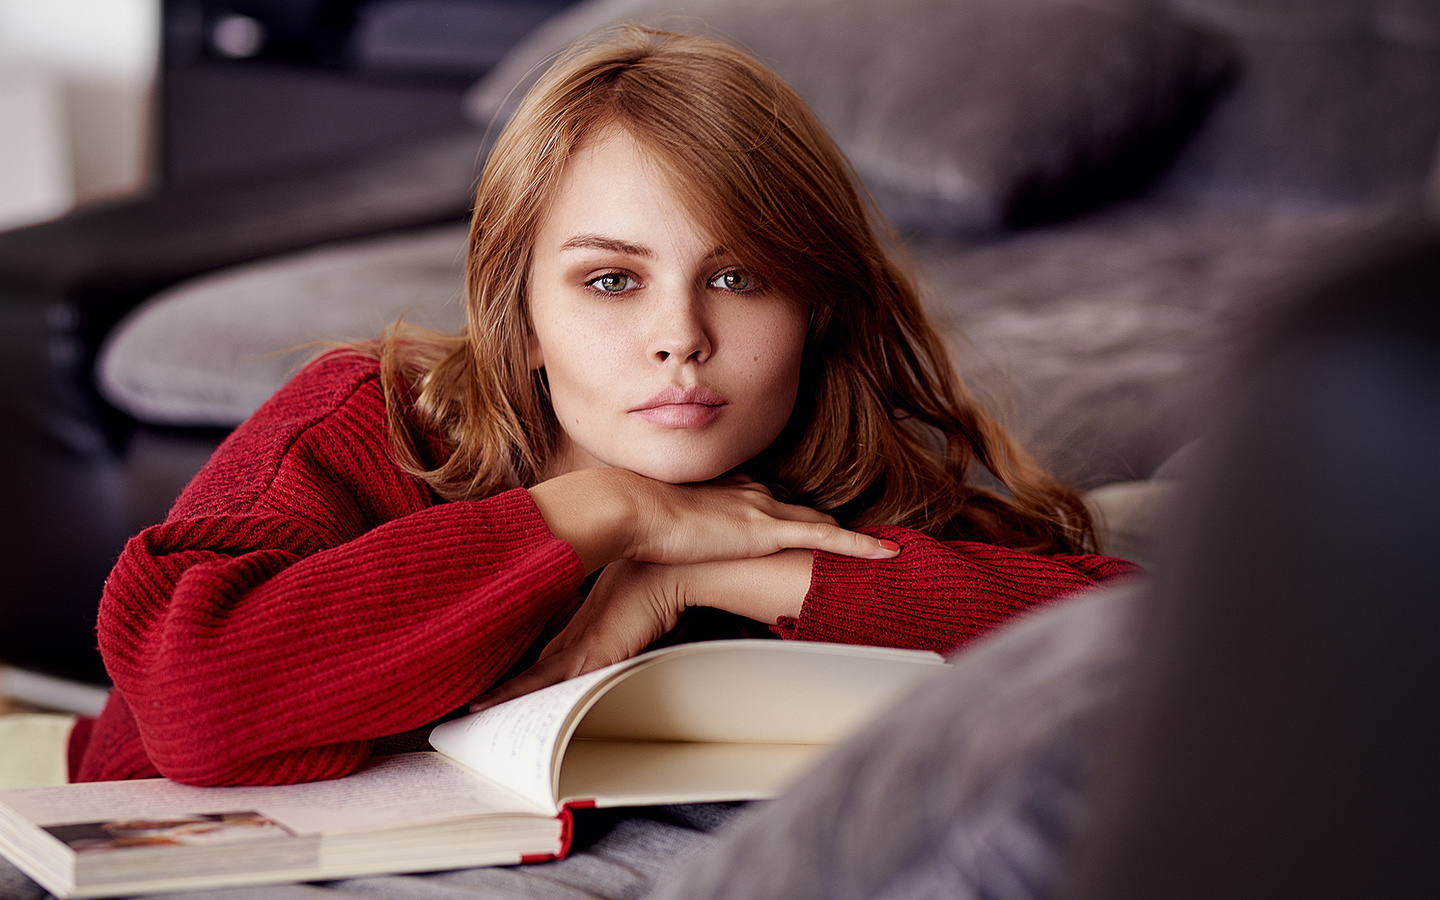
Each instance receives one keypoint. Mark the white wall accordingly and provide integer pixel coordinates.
(75, 86)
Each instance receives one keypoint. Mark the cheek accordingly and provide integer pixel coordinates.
(782, 348)
(774, 357)
(578, 358)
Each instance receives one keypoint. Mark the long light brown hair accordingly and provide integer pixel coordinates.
(883, 431)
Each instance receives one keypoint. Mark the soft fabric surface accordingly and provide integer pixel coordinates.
(211, 350)
(1336, 100)
(973, 783)
(991, 104)
(1131, 518)
(1099, 340)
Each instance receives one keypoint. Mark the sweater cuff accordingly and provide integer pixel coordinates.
(863, 601)
(933, 596)
(516, 510)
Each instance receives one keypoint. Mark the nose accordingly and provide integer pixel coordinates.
(679, 330)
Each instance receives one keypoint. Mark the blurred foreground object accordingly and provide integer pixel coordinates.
(1285, 726)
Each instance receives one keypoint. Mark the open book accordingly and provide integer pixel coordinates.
(721, 720)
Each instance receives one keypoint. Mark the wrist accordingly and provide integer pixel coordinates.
(765, 588)
(590, 510)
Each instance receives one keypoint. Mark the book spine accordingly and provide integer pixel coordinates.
(567, 832)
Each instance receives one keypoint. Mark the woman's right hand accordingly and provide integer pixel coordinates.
(610, 514)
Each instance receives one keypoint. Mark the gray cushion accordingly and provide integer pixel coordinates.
(211, 350)
(971, 787)
(955, 112)
(1336, 100)
(1099, 340)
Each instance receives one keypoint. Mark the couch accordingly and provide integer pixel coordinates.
(1105, 198)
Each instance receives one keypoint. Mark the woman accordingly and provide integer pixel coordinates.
(679, 310)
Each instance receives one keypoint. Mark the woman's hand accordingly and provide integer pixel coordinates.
(630, 607)
(610, 514)
(634, 604)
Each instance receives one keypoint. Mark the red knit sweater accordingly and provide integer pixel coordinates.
(306, 597)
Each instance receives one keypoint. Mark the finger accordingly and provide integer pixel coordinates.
(832, 538)
(791, 512)
(541, 675)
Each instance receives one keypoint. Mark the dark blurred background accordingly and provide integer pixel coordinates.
(248, 84)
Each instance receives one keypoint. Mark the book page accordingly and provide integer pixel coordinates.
(756, 691)
(392, 791)
(515, 742)
(641, 773)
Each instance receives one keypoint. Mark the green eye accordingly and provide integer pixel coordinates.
(610, 282)
(733, 280)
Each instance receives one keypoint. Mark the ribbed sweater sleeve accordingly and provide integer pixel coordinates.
(305, 597)
(935, 595)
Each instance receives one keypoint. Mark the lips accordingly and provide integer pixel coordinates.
(682, 407)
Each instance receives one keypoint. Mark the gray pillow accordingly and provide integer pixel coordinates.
(971, 787)
(211, 350)
(957, 114)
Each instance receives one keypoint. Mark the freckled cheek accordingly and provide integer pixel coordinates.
(604, 349)
(769, 380)
(577, 337)
(582, 365)
(772, 355)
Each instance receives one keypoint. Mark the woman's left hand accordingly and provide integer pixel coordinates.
(632, 605)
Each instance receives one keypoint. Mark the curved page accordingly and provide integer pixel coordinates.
(516, 742)
(766, 693)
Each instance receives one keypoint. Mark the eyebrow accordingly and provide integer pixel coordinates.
(625, 248)
(599, 242)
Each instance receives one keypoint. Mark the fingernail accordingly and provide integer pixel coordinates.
(890, 545)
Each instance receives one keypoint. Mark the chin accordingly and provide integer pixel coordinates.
(681, 471)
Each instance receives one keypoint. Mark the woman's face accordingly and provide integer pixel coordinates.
(663, 355)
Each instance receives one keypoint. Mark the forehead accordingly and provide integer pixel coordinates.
(614, 186)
